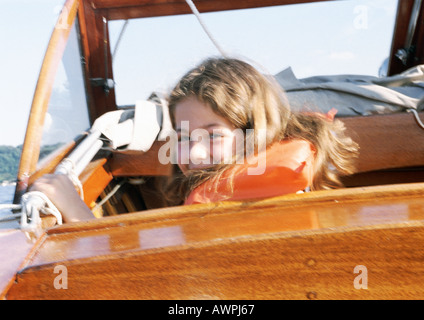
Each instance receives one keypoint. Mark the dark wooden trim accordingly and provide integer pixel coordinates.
(124, 164)
(93, 49)
(399, 38)
(387, 141)
(128, 9)
(95, 178)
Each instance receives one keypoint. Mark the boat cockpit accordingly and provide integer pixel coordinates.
(108, 63)
(101, 97)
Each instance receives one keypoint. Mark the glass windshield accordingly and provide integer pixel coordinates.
(67, 114)
(322, 38)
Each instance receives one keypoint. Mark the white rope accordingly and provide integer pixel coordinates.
(197, 14)
(9, 217)
(417, 117)
(108, 196)
(33, 203)
(119, 39)
(10, 206)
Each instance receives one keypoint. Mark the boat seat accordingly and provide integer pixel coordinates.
(387, 142)
(354, 95)
(391, 151)
(391, 148)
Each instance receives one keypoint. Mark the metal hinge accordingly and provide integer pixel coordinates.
(107, 84)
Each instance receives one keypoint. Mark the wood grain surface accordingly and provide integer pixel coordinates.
(291, 247)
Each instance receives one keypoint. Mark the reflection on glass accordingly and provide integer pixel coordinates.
(67, 115)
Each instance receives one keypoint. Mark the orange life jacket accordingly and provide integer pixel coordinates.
(288, 170)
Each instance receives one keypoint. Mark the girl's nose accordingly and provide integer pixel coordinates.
(199, 153)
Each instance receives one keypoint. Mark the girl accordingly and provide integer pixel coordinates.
(237, 139)
(296, 150)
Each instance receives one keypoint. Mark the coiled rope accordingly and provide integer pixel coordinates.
(33, 203)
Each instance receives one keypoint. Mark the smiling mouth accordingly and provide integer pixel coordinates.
(193, 166)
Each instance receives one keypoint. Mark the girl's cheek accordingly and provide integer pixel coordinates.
(222, 150)
(183, 156)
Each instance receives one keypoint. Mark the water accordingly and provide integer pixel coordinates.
(6, 193)
(6, 196)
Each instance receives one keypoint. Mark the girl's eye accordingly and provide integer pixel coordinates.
(183, 138)
(215, 135)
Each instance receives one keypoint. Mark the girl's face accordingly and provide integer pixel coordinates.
(204, 137)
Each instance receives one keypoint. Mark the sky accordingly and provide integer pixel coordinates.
(25, 29)
(26, 26)
(314, 39)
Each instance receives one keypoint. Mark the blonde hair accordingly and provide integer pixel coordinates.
(238, 92)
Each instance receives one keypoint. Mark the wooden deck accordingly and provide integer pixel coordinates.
(291, 247)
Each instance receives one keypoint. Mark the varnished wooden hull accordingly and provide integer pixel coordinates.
(353, 243)
(303, 246)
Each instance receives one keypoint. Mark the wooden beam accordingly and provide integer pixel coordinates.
(40, 103)
(129, 9)
(387, 141)
(139, 163)
(400, 34)
(234, 4)
(96, 58)
(49, 164)
(95, 178)
(336, 198)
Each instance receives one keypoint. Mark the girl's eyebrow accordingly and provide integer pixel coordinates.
(214, 125)
(178, 129)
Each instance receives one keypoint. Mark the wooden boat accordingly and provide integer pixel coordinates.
(364, 241)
